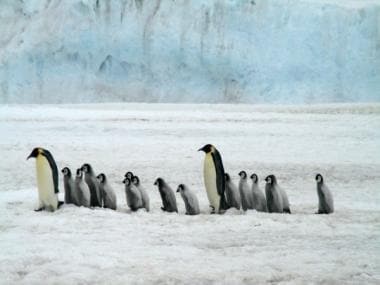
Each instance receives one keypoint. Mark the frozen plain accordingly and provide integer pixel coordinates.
(78, 245)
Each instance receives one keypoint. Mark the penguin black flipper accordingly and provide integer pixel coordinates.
(220, 181)
(54, 168)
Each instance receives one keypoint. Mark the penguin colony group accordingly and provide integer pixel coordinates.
(88, 190)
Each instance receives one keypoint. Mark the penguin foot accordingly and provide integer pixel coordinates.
(39, 209)
(60, 203)
(287, 211)
(163, 209)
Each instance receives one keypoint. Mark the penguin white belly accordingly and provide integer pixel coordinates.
(45, 184)
(210, 182)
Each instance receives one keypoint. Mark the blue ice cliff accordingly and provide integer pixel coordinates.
(249, 51)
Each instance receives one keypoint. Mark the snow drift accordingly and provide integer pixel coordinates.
(189, 51)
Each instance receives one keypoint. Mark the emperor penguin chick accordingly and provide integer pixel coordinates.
(245, 192)
(107, 193)
(144, 194)
(93, 184)
(68, 183)
(169, 202)
(129, 175)
(133, 195)
(82, 189)
(277, 200)
(259, 201)
(285, 201)
(47, 179)
(325, 198)
(190, 200)
(232, 193)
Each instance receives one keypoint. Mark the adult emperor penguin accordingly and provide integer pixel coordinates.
(245, 192)
(133, 195)
(68, 184)
(232, 192)
(325, 198)
(47, 179)
(169, 202)
(213, 175)
(107, 193)
(273, 194)
(190, 200)
(144, 194)
(82, 190)
(93, 184)
(259, 201)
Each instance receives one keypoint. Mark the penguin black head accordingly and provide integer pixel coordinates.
(35, 152)
(159, 181)
(101, 177)
(243, 174)
(319, 178)
(254, 178)
(86, 168)
(227, 177)
(136, 180)
(129, 175)
(66, 171)
(271, 179)
(79, 172)
(39, 151)
(181, 187)
(207, 148)
(126, 181)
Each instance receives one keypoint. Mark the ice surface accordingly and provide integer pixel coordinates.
(78, 245)
(190, 51)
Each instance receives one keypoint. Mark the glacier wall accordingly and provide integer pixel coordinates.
(253, 51)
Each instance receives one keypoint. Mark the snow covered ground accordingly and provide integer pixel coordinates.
(79, 245)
